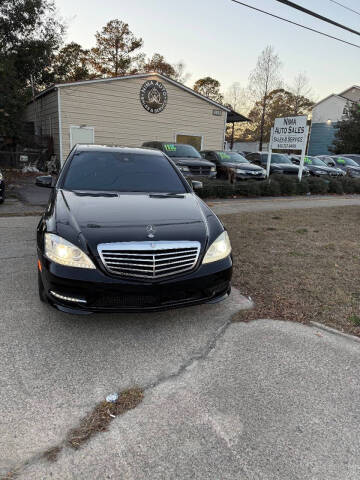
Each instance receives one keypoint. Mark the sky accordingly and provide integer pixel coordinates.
(223, 39)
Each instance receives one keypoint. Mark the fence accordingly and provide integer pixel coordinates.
(33, 150)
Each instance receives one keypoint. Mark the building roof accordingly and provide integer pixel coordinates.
(339, 95)
(342, 94)
(126, 77)
(233, 117)
(327, 98)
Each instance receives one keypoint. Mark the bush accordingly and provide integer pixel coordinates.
(348, 184)
(318, 185)
(278, 185)
(335, 186)
(248, 189)
(287, 184)
(302, 188)
(270, 188)
(356, 183)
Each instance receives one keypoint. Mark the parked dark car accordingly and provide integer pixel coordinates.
(280, 163)
(353, 156)
(316, 166)
(230, 163)
(186, 157)
(349, 166)
(124, 231)
(2, 188)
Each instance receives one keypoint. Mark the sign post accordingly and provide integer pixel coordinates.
(289, 133)
(303, 151)
(269, 156)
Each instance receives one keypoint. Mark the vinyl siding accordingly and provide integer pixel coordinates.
(115, 111)
(330, 109)
(322, 136)
(352, 94)
(47, 117)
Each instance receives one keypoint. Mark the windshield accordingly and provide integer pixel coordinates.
(180, 150)
(354, 157)
(345, 161)
(314, 161)
(277, 158)
(232, 157)
(122, 172)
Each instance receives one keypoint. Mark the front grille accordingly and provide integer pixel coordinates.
(149, 259)
(199, 170)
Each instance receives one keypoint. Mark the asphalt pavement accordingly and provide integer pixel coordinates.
(266, 400)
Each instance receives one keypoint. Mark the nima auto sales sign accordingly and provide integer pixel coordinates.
(289, 133)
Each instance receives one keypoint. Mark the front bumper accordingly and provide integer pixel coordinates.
(198, 176)
(99, 292)
(250, 176)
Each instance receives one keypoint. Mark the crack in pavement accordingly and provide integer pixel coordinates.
(202, 355)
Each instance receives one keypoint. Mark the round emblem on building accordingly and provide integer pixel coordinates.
(153, 96)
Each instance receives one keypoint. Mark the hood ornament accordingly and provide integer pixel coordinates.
(150, 230)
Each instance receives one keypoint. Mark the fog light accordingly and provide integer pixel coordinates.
(67, 299)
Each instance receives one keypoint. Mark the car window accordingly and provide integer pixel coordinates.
(232, 157)
(122, 172)
(276, 158)
(180, 150)
(318, 162)
(345, 161)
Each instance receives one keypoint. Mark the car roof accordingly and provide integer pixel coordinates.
(106, 148)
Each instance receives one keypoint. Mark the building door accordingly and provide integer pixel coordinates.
(194, 140)
(83, 135)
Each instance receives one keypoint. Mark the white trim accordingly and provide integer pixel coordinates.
(84, 128)
(60, 127)
(190, 135)
(224, 137)
(138, 75)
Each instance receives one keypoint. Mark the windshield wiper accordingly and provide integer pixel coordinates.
(166, 195)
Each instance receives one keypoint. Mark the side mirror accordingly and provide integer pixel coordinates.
(44, 181)
(196, 185)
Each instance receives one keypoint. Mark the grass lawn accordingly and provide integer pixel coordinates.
(299, 265)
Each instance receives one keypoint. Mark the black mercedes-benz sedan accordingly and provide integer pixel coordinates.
(124, 231)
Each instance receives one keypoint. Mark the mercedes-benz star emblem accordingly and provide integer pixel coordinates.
(150, 230)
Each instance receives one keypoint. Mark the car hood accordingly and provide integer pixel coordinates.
(88, 219)
(242, 166)
(286, 166)
(196, 162)
(316, 167)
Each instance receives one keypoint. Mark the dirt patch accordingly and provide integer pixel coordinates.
(102, 415)
(300, 265)
(52, 454)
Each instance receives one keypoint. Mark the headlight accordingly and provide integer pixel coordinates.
(213, 169)
(63, 252)
(184, 168)
(238, 170)
(320, 172)
(219, 249)
(1, 176)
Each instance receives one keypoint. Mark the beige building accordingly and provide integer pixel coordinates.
(127, 111)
